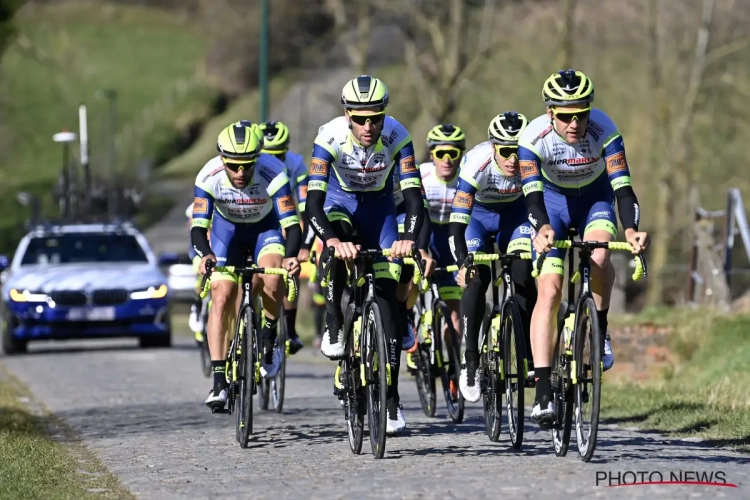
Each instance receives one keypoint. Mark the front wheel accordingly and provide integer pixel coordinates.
(587, 339)
(514, 357)
(376, 358)
(491, 379)
(562, 388)
(249, 350)
(278, 383)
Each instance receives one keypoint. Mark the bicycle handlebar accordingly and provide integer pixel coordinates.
(617, 246)
(415, 260)
(211, 267)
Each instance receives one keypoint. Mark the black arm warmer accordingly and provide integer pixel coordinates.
(414, 213)
(309, 236)
(199, 239)
(293, 239)
(457, 241)
(628, 208)
(423, 241)
(317, 215)
(537, 211)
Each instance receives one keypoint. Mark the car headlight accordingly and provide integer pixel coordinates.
(27, 296)
(150, 293)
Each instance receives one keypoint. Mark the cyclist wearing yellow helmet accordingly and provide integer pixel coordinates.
(488, 208)
(563, 155)
(351, 183)
(276, 142)
(248, 196)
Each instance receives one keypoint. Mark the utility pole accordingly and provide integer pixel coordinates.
(263, 62)
(84, 140)
(112, 195)
(65, 138)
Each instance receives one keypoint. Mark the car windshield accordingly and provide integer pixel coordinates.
(83, 247)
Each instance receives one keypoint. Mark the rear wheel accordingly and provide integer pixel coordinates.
(376, 358)
(355, 405)
(448, 356)
(205, 353)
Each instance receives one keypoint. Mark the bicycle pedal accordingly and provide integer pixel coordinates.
(219, 410)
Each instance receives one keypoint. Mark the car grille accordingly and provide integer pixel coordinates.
(69, 298)
(109, 297)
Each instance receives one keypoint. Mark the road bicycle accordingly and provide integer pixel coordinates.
(503, 360)
(364, 374)
(244, 354)
(577, 368)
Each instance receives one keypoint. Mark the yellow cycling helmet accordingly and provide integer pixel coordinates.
(506, 128)
(364, 92)
(240, 142)
(446, 134)
(568, 87)
(275, 137)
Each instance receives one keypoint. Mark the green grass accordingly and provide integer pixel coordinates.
(32, 465)
(705, 394)
(64, 54)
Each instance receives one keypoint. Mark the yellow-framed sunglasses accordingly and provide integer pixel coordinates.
(236, 165)
(440, 152)
(567, 115)
(361, 119)
(506, 152)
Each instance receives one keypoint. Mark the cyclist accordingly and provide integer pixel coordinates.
(446, 144)
(563, 156)
(276, 143)
(248, 195)
(488, 208)
(351, 188)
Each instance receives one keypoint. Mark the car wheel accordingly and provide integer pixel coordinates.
(11, 344)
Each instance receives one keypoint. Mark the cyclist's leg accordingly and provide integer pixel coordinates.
(227, 245)
(479, 236)
(269, 252)
(332, 345)
(599, 223)
(544, 317)
(403, 294)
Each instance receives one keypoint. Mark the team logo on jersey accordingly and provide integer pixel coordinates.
(542, 135)
(528, 169)
(616, 163)
(463, 200)
(303, 192)
(408, 166)
(200, 206)
(319, 167)
(480, 169)
(285, 204)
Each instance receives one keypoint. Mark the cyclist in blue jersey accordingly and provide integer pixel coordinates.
(351, 187)
(488, 208)
(276, 143)
(245, 197)
(563, 155)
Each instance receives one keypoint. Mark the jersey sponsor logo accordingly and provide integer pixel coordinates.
(463, 200)
(200, 206)
(524, 229)
(408, 166)
(542, 135)
(574, 161)
(285, 204)
(474, 242)
(595, 130)
(319, 167)
(267, 173)
(602, 213)
(242, 201)
(616, 163)
(481, 169)
(363, 185)
(213, 172)
(528, 169)
(387, 141)
(330, 141)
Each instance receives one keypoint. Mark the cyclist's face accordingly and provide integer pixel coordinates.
(445, 166)
(509, 166)
(366, 124)
(239, 177)
(570, 122)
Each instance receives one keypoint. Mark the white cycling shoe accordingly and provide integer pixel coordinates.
(270, 370)
(217, 400)
(395, 422)
(194, 320)
(470, 388)
(329, 349)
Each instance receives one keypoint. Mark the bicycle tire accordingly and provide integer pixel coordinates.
(514, 343)
(562, 391)
(248, 356)
(455, 407)
(587, 372)
(491, 395)
(424, 376)
(204, 349)
(278, 383)
(355, 405)
(376, 356)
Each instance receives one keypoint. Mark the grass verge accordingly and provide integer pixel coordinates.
(704, 394)
(33, 464)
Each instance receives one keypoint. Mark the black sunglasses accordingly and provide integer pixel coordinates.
(362, 119)
(235, 167)
(568, 117)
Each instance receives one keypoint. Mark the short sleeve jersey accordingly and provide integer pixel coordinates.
(438, 193)
(547, 161)
(268, 191)
(297, 172)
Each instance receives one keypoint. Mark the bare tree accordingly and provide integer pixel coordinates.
(356, 38)
(567, 32)
(676, 148)
(436, 49)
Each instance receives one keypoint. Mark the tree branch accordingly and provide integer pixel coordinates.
(425, 91)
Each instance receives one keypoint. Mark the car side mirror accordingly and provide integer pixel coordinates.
(168, 259)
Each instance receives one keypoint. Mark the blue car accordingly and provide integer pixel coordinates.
(83, 281)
